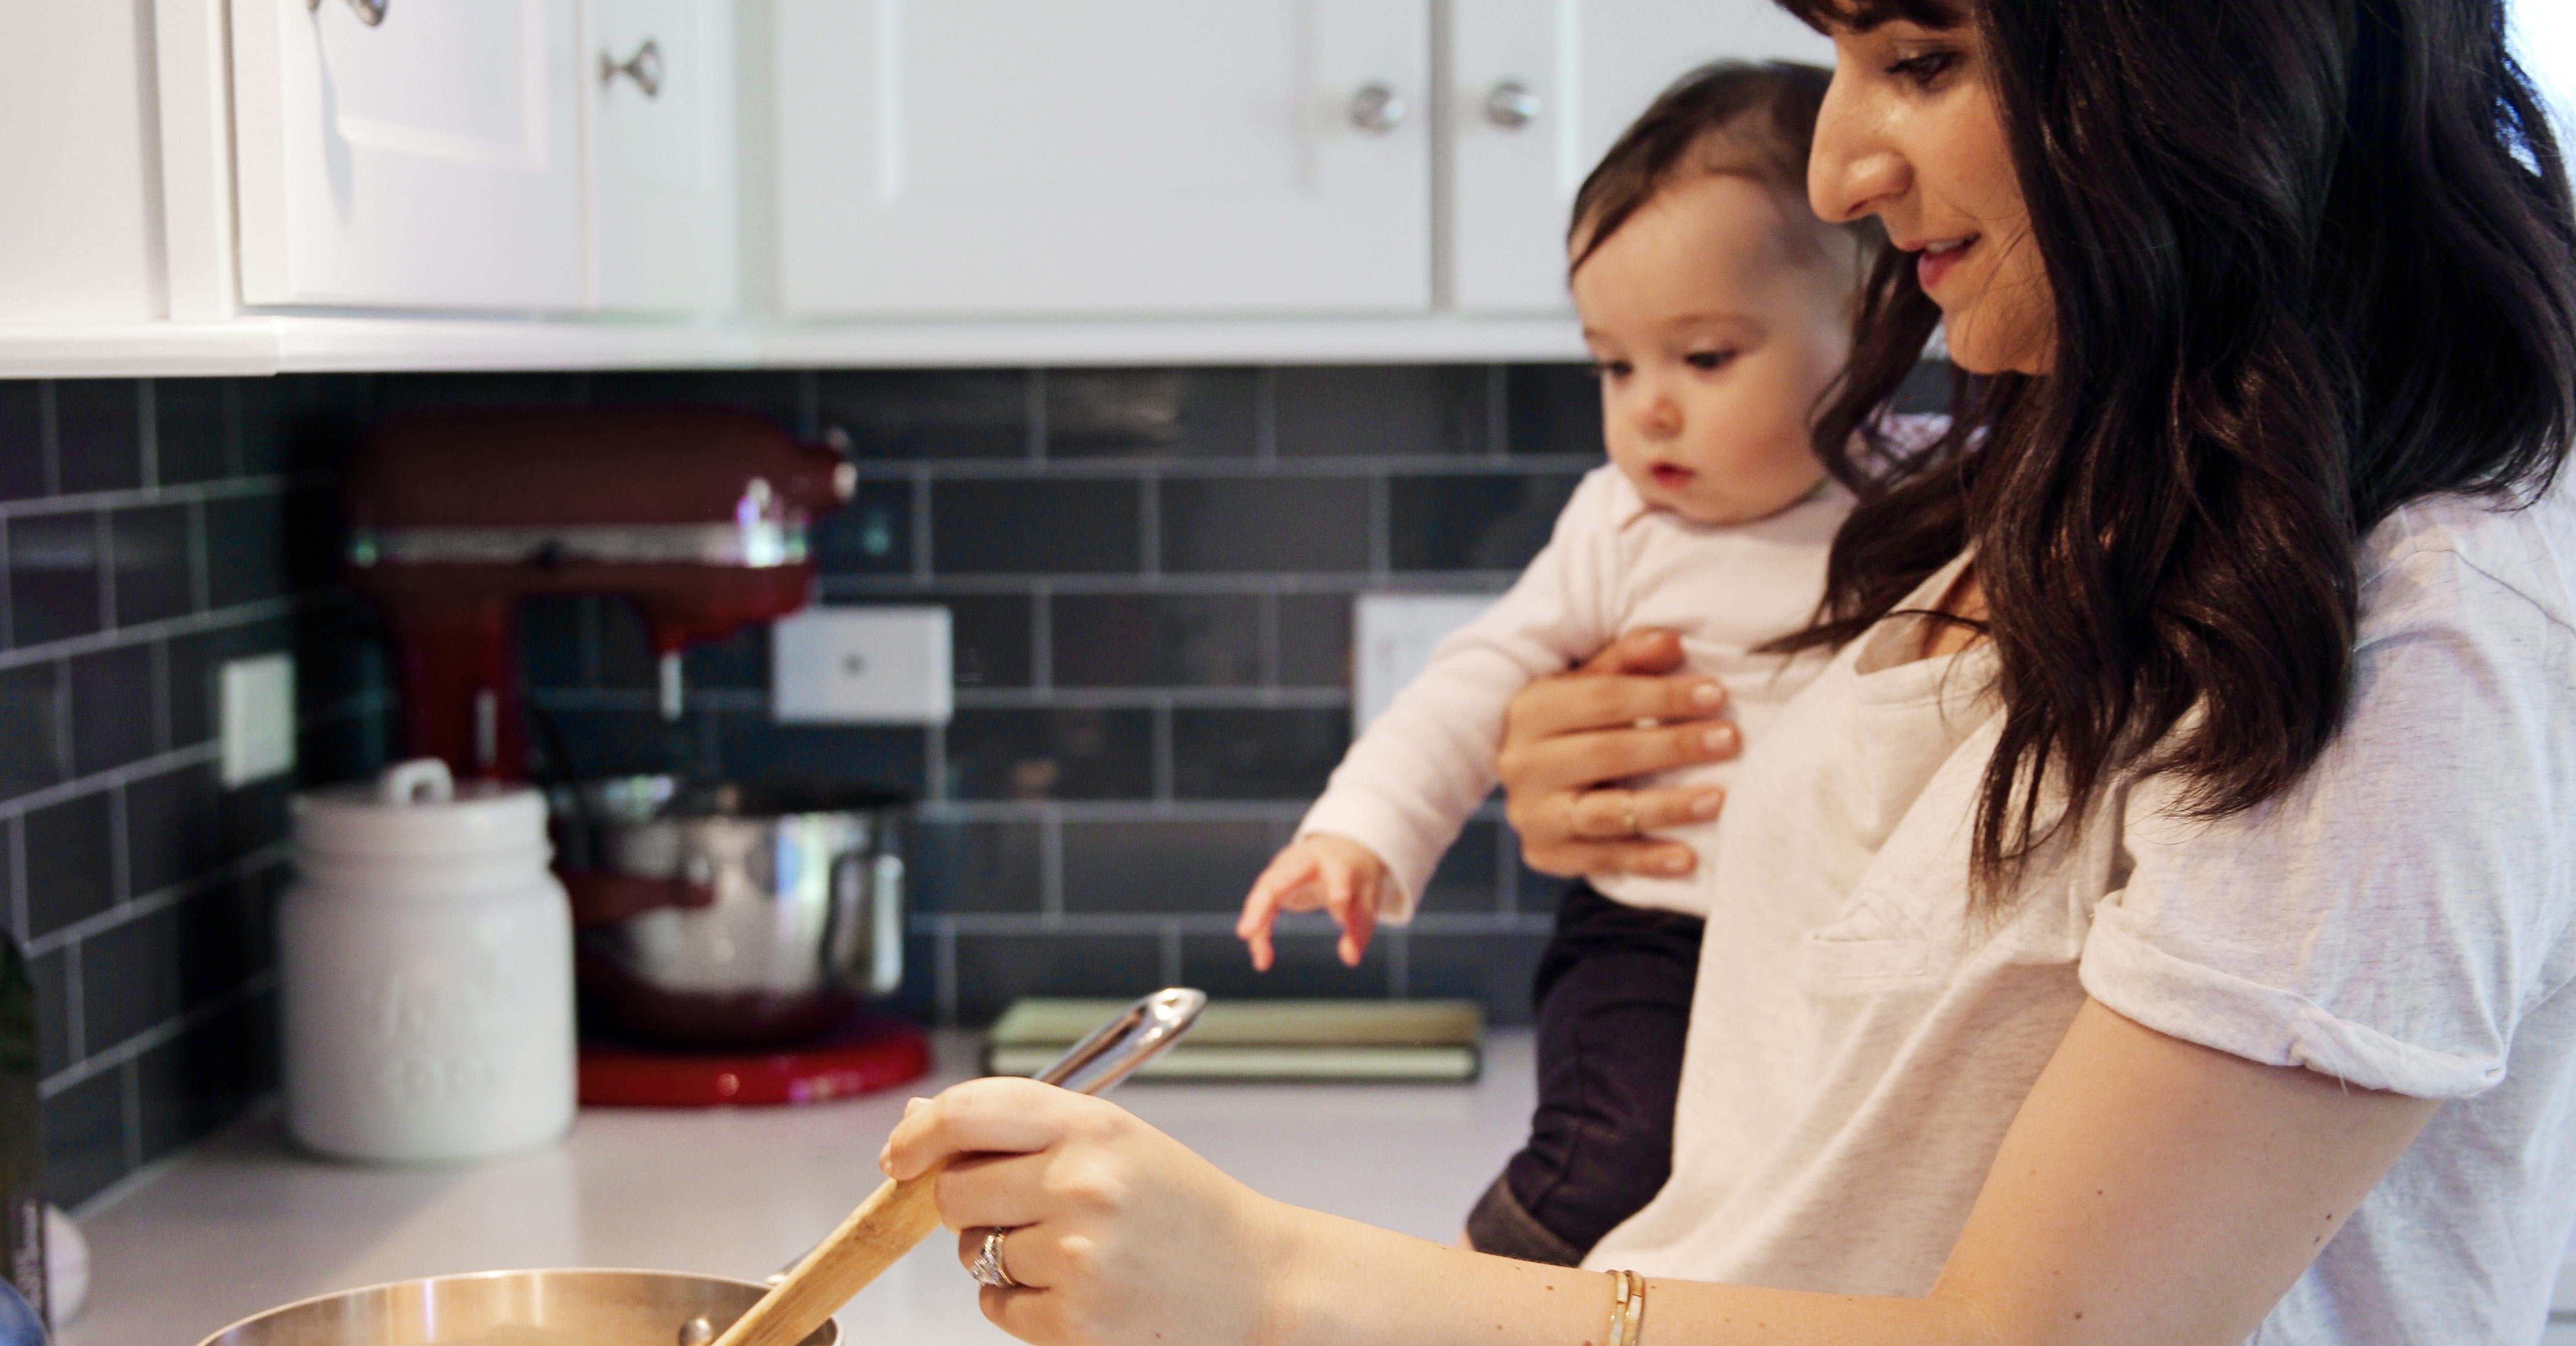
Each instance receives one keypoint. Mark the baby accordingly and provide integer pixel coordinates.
(1717, 309)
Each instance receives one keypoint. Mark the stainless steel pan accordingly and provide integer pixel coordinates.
(636, 1308)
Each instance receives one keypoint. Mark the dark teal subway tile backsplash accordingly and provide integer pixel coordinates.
(1149, 574)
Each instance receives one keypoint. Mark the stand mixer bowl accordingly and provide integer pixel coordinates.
(732, 915)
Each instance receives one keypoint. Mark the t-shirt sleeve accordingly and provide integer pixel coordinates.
(2388, 919)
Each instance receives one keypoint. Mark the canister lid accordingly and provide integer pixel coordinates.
(418, 810)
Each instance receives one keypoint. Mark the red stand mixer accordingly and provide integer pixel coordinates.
(729, 944)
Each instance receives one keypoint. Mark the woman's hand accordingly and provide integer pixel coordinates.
(1624, 713)
(1118, 1233)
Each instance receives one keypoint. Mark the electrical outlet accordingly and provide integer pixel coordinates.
(862, 666)
(1395, 635)
(258, 715)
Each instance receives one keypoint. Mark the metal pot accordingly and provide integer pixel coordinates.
(732, 915)
(515, 1308)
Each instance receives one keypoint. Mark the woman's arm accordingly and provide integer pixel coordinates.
(2149, 1191)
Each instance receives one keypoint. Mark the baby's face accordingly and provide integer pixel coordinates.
(1715, 325)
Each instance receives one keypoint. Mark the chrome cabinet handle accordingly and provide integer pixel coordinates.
(1512, 105)
(370, 12)
(1378, 109)
(644, 67)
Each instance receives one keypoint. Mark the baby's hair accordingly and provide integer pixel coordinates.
(1756, 120)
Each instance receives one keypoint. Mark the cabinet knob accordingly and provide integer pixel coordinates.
(370, 12)
(1512, 105)
(1378, 109)
(644, 67)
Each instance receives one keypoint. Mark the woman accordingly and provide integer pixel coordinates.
(2158, 923)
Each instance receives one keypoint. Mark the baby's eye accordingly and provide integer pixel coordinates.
(1612, 369)
(1707, 361)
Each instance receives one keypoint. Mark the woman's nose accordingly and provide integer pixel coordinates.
(1852, 172)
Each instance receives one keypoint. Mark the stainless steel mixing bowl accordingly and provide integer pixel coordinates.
(514, 1308)
(732, 914)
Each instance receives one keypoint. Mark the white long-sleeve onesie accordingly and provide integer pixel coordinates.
(1615, 563)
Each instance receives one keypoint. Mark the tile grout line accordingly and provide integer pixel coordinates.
(176, 1026)
(161, 727)
(232, 488)
(147, 423)
(48, 434)
(248, 865)
(75, 787)
(195, 623)
(1051, 865)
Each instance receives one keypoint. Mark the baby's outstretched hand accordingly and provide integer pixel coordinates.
(1320, 872)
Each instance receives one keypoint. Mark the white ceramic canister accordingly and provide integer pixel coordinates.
(426, 958)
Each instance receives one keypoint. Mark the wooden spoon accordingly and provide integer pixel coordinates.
(899, 1215)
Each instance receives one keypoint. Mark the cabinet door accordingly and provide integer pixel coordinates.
(430, 159)
(1103, 156)
(1542, 87)
(661, 158)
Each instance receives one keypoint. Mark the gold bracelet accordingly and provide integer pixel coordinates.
(1627, 1309)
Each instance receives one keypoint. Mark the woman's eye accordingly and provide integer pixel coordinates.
(1706, 361)
(1927, 69)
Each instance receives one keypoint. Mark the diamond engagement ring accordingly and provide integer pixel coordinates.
(988, 1268)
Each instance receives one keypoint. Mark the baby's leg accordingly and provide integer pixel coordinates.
(1614, 994)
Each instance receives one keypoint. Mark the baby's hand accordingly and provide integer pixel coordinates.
(1321, 872)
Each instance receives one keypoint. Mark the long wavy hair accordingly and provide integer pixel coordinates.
(2312, 259)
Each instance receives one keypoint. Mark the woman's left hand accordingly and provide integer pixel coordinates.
(1117, 1232)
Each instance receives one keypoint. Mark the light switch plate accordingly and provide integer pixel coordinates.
(862, 666)
(1396, 634)
(258, 697)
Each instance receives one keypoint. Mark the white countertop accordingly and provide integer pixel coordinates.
(246, 1222)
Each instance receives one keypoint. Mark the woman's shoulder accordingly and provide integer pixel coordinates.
(2457, 557)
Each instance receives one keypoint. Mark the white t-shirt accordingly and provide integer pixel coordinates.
(1614, 564)
(2400, 919)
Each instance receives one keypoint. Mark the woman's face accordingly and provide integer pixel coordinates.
(1912, 132)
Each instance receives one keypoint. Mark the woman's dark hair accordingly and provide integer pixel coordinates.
(2311, 260)
(1758, 120)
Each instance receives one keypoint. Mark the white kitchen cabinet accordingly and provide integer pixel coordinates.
(1540, 89)
(995, 157)
(419, 154)
(661, 82)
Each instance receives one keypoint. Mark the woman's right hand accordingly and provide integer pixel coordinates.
(1624, 713)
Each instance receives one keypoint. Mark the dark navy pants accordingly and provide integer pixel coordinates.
(1613, 998)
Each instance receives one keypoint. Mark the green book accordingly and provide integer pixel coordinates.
(1389, 1041)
